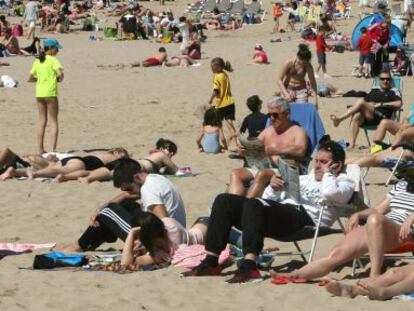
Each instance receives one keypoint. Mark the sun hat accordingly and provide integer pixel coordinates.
(258, 46)
(52, 43)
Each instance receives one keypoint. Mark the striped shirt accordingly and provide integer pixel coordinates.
(401, 202)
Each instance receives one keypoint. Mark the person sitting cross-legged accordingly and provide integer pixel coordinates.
(276, 215)
(379, 104)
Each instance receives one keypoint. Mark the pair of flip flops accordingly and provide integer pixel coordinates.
(283, 280)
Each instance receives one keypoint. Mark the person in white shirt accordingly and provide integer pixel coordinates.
(30, 16)
(275, 215)
(113, 220)
(185, 34)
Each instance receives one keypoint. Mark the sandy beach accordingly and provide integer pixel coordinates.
(103, 107)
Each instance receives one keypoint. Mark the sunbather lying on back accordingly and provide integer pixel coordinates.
(158, 60)
(75, 166)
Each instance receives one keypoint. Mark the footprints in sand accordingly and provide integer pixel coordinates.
(115, 67)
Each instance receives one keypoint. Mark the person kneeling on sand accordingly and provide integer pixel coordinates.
(158, 60)
(275, 217)
(114, 219)
(259, 56)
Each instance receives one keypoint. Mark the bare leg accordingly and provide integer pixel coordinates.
(53, 111)
(7, 157)
(359, 106)
(261, 180)
(238, 177)
(71, 176)
(52, 171)
(356, 122)
(233, 133)
(384, 126)
(352, 246)
(406, 135)
(383, 235)
(401, 279)
(42, 126)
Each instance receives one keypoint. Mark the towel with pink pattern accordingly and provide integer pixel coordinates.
(190, 256)
(20, 248)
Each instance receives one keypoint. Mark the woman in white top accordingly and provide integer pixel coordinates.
(387, 226)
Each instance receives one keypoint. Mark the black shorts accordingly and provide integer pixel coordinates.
(380, 113)
(227, 113)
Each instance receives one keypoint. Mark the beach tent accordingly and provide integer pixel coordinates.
(396, 33)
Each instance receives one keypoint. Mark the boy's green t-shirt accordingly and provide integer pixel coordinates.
(46, 74)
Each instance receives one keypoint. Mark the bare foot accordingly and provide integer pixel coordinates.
(376, 293)
(59, 178)
(341, 289)
(7, 174)
(30, 174)
(83, 180)
(335, 120)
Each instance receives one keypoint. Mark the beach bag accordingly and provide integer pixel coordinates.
(110, 32)
(57, 260)
(17, 30)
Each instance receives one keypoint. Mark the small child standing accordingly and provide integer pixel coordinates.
(222, 97)
(47, 71)
(364, 44)
(321, 48)
(277, 12)
(185, 34)
(211, 138)
(255, 122)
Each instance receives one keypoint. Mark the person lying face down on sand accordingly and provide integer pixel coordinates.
(379, 104)
(9, 159)
(158, 161)
(292, 82)
(74, 166)
(282, 138)
(158, 60)
(113, 220)
(384, 230)
(273, 216)
(259, 56)
(153, 241)
(396, 281)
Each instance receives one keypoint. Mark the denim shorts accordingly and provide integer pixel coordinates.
(321, 58)
(364, 59)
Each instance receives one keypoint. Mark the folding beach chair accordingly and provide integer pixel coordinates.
(224, 6)
(208, 8)
(397, 85)
(255, 8)
(400, 168)
(314, 15)
(359, 201)
(194, 9)
(237, 8)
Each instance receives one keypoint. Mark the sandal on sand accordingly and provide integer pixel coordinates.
(283, 280)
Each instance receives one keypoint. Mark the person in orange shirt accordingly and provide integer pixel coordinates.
(277, 12)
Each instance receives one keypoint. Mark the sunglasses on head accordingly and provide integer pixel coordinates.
(385, 79)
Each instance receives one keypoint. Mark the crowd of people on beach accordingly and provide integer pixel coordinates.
(149, 214)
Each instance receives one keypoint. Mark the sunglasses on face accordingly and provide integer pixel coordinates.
(385, 79)
(274, 115)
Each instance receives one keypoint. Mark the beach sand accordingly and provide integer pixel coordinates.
(109, 107)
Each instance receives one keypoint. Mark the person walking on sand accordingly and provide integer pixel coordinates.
(47, 71)
(31, 14)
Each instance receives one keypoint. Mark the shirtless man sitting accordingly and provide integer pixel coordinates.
(282, 138)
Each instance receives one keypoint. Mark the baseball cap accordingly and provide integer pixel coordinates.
(381, 6)
(53, 43)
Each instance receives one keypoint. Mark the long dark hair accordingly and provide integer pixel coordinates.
(166, 144)
(152, 228)
(304, 53)
(42, 53)
(211, 117)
